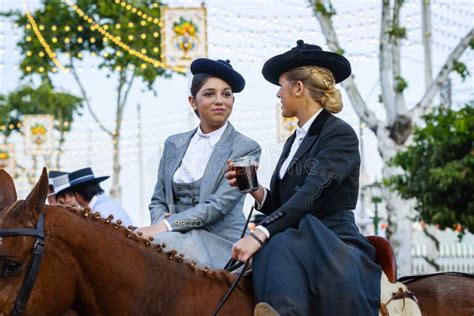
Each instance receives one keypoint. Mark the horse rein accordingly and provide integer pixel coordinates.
(233, 265)
(38, 251)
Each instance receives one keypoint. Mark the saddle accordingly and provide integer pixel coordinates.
(384, 256)
(395, 297)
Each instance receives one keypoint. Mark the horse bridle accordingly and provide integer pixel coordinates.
(38, 251)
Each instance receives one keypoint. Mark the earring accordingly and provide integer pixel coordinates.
(195, 108)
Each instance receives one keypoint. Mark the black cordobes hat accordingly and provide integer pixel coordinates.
(306, 55)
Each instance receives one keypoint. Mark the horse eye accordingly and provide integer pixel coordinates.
(11, 268)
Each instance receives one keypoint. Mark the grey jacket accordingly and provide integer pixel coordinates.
(220, 206)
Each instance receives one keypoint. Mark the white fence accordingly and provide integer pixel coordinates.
(453, 255)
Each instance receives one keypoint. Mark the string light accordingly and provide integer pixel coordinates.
(145, 17)
(117, 41)
(253, 46)
(42, 41)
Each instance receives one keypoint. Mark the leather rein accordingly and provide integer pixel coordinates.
(233, 265)
(38, 251)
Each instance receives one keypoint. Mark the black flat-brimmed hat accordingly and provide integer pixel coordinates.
(306, 55)
(221, 69)
(81, 176)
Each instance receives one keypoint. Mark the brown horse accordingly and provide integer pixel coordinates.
(96, 267)
(443, 294)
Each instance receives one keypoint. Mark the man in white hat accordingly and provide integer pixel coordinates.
(51, 194)
(82, 188)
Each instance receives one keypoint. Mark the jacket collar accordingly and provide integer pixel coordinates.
(312, 135)
(213, 137)
(317, 126)
(219, 156)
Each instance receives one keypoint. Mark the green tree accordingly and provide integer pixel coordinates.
(124, 36)
(439, 168)
(42, 100)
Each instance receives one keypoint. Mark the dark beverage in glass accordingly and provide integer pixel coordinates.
(246, 174)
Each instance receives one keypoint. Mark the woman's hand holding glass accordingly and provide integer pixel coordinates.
(231, 176)
(246, 247)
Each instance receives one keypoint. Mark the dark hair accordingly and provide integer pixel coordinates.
(198, 81)
(86, 190)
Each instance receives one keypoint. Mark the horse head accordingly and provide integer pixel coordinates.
(16, 249)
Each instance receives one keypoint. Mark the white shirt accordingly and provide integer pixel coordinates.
(197, 155)
(106, 206)
(300, 134)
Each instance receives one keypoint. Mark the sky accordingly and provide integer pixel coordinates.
(247, 33)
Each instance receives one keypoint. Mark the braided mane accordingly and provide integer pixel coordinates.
(128, 232)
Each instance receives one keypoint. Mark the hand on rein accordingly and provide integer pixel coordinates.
(246, 247)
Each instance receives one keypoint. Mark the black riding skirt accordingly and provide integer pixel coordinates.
(322, 267)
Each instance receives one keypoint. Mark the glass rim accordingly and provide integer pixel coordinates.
(244, 161)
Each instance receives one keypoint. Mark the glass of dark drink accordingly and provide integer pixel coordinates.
(246, 173)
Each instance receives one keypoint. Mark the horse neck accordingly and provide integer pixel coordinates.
(108, 266)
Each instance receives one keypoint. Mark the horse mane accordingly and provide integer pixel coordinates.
(172, 255)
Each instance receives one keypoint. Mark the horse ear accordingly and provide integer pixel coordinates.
(7, 190)
(37, 197)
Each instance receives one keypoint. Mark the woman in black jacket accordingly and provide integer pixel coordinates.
(308, 255)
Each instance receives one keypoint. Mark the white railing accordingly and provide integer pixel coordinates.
(457, 257)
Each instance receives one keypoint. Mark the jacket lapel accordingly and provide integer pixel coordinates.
(284, 154)
(310, 138)
(217, 162)
(174, 157)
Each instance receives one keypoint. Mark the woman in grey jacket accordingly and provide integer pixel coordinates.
(193, 209)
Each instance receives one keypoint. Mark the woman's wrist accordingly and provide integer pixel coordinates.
(260, 234)
(258, 194)
(254, 236)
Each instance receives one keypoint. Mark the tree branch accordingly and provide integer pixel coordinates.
(385, 64)
(122, 82)
(86, 98)
(129, 87)
(395, 37)
(427, 39)
(422, 106)
(367, 116)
